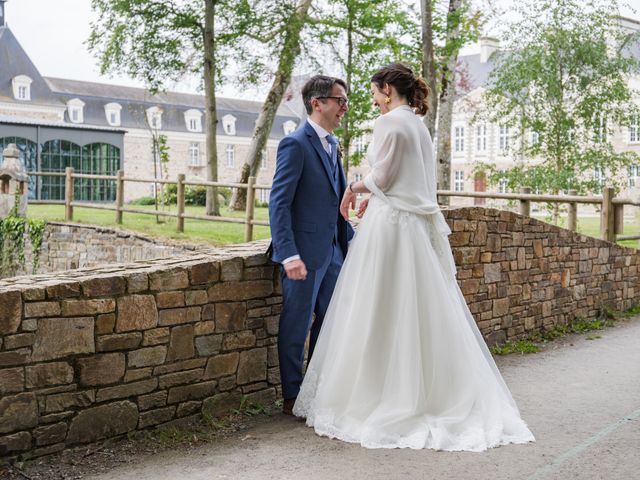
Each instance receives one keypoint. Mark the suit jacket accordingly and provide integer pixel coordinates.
(304, 202)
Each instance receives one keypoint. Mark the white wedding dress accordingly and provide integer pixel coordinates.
(400, 361)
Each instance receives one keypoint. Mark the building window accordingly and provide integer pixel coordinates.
(502, 184)
(154, 118)
(21, 87)
(229, 124)
(263, 159)
(634, 128)
(358, 144)
(94, 158)
(458, 181)
(535, 138)
(289, 126)
(600, 130)
(231, 155)
(112, 112)
(599, 178)
(481, 138)
(634, 173)
(505, 139)
(193, 120)
(458, 139)
(75, 108)
(194, 154)
(264, 195)
(357, 177)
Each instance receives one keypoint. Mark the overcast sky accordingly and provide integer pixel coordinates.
(53, 33)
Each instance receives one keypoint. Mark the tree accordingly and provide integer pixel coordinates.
(161, 40)
(440, 68)
(560, 88)
(286, 20)
(362, 37)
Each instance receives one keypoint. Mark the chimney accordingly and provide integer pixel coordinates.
(488, 45)
(2, 16)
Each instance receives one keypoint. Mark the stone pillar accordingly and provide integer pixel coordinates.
(13, 182)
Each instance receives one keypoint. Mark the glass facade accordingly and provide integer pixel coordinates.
(56, 155)
(28, 155)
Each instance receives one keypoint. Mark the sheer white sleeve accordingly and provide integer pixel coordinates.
(386, 154)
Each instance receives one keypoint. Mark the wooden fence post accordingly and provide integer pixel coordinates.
(572, 220)
(618, 222)
(119, 195)
(180, 199)
(68, 194)
(248, 226)
(607, 216)
(525, 205)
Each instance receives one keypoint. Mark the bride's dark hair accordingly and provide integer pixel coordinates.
(406, 83)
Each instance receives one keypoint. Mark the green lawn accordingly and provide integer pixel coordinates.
(199, 231)
(195, 231)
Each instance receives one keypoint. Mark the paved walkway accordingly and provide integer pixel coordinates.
(581, 399)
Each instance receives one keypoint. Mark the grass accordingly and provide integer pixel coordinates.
(590, 226)
(219, 233)
(195, 231)
(535, 343)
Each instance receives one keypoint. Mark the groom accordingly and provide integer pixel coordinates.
(309, 236)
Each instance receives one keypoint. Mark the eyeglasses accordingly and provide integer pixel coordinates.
(343, 102)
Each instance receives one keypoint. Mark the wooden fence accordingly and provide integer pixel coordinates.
(611, 208)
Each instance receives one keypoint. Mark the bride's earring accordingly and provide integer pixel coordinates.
(387, 99)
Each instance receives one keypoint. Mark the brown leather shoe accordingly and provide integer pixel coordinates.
(287, 406)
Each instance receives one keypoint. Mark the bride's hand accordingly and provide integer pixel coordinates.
(348, 201)
(362, 208)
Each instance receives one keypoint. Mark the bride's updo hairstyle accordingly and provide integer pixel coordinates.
(406, 83)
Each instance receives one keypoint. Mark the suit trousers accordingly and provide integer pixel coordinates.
(301, 299)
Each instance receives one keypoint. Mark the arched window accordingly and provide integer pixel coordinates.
(75, 110)
(56, 156)
(95, 158)
(289, 126)
(98, 159)
(154, 118)
(112, 112)
(229, 124)
(28, 156)
(21, 87)
(193, 120)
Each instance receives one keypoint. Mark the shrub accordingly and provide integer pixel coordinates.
(143, 201)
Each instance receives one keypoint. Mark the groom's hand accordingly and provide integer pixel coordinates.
(348, 201)
(295, 270)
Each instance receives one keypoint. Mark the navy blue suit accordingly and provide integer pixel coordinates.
(305, 220)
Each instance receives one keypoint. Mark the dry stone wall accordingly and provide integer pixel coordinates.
(520, 275)
(95, 353)
(72, 246)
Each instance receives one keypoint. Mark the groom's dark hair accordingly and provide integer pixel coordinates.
(319, 86)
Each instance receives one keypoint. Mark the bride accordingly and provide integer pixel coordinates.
(400, 361)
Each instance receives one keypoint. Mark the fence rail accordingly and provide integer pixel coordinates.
(611, 207)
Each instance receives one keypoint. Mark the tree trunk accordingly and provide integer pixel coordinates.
(213, 208)
(289, 53)
(429, 64)
(447, 97)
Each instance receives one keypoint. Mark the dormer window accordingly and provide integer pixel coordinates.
(289, 126)
(193, 120)
(75, 110)
(229, 124)
(21, 88)
(154, 117)
(112, 112)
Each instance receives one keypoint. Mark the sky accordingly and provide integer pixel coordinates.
(54, 32)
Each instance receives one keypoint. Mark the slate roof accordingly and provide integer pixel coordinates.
(134, 101)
